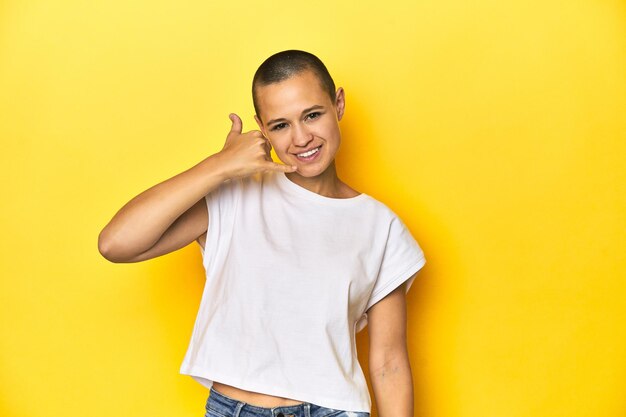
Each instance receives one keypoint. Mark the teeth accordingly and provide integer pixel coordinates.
(309, 153)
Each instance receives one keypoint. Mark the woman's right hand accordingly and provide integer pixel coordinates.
(247, 153)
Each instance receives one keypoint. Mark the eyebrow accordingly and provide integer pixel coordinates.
(317, 106)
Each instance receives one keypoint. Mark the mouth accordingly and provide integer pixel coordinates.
(309, 155)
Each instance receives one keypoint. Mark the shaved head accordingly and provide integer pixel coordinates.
(284, 65)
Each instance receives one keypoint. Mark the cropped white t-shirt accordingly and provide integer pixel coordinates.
(290, 275)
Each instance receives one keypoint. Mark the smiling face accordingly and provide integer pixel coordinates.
(297, 116)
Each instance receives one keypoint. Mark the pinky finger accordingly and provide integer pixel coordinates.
(281, 167)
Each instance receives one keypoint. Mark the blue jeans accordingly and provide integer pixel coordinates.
(220, 405)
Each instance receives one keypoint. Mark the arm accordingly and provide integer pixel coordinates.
(389, 365)
(163, 218)
(173, 213)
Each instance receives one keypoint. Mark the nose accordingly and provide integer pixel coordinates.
(301, 135)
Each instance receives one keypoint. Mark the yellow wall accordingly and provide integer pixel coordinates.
(495, 129)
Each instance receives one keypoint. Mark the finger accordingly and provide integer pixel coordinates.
(281, 167)
(237, 124)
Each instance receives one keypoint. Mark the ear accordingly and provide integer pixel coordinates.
(340, 104)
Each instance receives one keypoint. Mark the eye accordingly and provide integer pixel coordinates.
(314, 115)
(278, 126)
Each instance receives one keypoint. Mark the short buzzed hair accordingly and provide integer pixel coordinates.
(284, 65)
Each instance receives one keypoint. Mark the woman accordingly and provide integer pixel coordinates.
(296, 260)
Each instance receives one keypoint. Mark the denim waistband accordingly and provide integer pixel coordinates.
(221, 405)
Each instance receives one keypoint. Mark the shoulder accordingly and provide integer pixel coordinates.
(381, 209)
(386, 221)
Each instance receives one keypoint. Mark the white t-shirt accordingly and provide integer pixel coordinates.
(289, 276)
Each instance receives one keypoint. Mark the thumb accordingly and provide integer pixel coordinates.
(237, 125)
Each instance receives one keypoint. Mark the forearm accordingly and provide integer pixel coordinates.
(392, 384)
(139, 224)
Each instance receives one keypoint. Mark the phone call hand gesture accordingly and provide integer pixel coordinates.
(248, 153)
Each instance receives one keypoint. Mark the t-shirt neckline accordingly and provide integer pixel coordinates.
(291, 186)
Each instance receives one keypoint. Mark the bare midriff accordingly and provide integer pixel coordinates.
(253, 398)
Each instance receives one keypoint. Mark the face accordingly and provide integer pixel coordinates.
(297, 115)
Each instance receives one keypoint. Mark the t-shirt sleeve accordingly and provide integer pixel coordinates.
(221, 205)
(402, 258)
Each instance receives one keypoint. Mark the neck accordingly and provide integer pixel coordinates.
(326, 184)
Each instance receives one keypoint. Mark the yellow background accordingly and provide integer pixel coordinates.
(495, 129)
